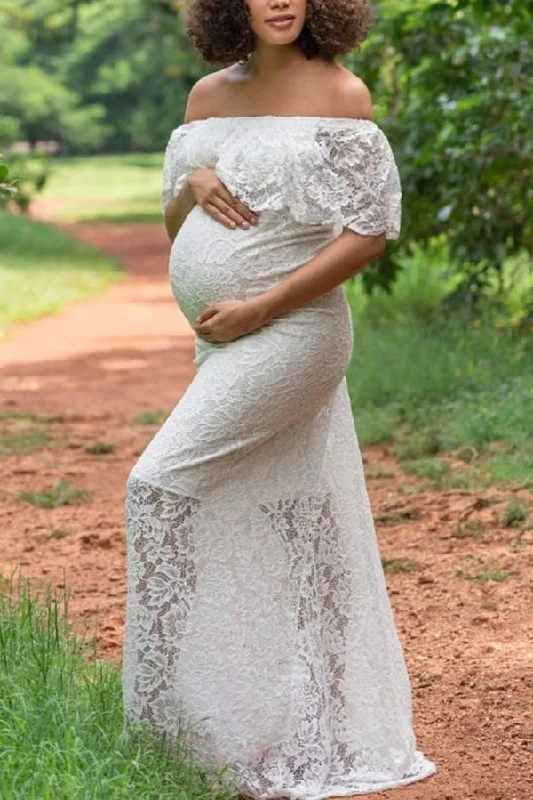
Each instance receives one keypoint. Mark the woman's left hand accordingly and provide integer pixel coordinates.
(230, 319)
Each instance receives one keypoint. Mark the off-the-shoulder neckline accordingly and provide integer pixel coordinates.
(279, 117)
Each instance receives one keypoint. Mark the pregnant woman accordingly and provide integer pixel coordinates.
(258, 623)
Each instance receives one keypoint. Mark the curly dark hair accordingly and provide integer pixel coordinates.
(222, 34)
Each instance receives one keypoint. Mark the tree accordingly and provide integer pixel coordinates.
(31, 91)
(44, 109)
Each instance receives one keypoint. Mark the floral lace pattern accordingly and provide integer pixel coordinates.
(164, 577)
(258, 622)
(321, 171)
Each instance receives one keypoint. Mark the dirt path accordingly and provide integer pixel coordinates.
(94, 369)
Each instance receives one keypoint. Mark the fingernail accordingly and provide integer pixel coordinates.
(245, 225)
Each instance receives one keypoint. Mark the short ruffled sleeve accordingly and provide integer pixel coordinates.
(362, 178)
(175, 167)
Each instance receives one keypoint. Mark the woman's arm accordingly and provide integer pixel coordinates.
(339, 260)
(178, 210)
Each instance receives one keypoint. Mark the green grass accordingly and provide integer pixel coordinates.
(496, 575)
(395, 565)
(111, 188)
(516, 513)
(430, 382)
(62, 729)
(469, 529)
(24, 438)
(438, 474)
(61, 494)
(42, 269)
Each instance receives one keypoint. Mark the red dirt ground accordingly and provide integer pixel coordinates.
(93, 369)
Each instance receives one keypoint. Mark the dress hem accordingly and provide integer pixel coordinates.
(290, 794)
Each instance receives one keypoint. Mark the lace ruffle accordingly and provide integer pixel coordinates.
(321, 171)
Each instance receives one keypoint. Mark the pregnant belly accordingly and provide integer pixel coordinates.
(210, 263)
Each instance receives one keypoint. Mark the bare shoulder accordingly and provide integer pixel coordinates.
(351, 96)
(207, 95)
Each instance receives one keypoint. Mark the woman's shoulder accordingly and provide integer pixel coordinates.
(206, 98)
(348, 95)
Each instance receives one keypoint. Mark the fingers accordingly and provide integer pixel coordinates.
(206, 335)
(228, 210)
(242, 211)
(219, 215)
(207, 314)
(215, 198)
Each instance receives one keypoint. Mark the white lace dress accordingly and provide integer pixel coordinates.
(258, 622)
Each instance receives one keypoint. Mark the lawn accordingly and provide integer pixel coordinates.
(112, 188)
(42, 269)
(62, 735)
(433, 382)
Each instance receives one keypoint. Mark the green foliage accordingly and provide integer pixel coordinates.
(8, 184)
(32, 173)
(62, 732)
(497, 575)
(453, 81)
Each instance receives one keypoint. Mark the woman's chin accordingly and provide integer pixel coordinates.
(281, 38)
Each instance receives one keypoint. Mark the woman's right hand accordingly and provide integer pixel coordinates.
(213, 196)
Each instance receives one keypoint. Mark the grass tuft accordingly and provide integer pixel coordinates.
(437, 474)
(469, 529)
(100, 448)
(413, 445)
(23, 439)
(497, 575)
(22, 416)
(61, 494)
(379, 472)
(395, 565)
(60, 533)
(516, 512)
(151, 417)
